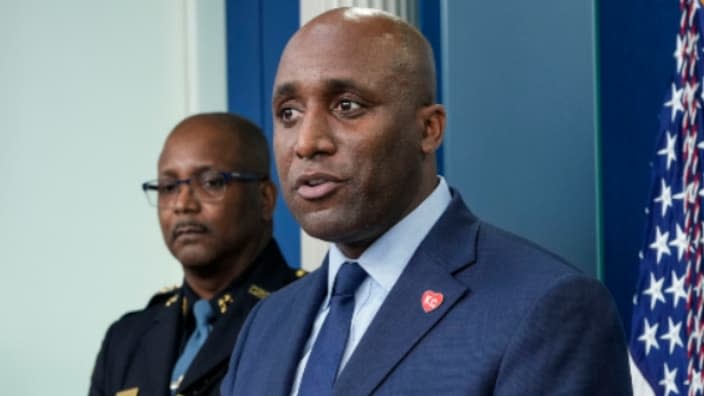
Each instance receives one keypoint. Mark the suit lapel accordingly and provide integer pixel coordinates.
(159, 347)
(297, 316)
(401, 321)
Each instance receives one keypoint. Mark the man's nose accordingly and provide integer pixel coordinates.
(186, 199)
(315, 135)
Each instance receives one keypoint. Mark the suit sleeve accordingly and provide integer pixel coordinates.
(572, 343)
(227, 386)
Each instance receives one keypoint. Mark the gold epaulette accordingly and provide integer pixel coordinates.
(258, 292)
(166, 295)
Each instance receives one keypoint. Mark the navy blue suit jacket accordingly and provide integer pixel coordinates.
(515, 320)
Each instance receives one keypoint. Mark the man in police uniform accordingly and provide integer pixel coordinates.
(215, 203)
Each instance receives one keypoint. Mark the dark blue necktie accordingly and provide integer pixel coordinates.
(324, 360)
(203, 313)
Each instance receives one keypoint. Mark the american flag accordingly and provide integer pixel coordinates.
(667, 352)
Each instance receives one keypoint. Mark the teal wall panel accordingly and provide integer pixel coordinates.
(520, 93)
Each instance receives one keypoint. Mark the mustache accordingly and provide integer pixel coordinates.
(183, 227)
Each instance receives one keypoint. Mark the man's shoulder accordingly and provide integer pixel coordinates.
(277, 274)
(517, 253)
(164, 299)
(461, 238)
(512, 270)
(301, 279)
(283, 298)
(272, 270)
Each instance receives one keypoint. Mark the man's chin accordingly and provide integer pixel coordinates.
(192, 257)
(320, 230)
(325, 226)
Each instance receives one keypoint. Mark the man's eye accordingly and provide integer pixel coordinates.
(213, 182)
(167, 187)
(348, 106)
(289, 114)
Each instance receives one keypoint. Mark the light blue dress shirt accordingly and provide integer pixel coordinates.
(384, 261)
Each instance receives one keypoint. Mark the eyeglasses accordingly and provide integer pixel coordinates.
(207, 186)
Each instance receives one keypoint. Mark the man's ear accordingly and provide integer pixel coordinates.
(433, 119)
(267, 191)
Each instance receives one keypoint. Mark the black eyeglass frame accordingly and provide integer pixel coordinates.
(229, 177)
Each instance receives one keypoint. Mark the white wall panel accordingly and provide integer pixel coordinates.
(89, 92)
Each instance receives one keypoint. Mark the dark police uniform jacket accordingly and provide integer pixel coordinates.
(141, 348)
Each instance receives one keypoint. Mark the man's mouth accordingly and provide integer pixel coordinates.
(188, 228)
(316, 185)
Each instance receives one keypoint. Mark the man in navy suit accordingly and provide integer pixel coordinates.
(416, 296)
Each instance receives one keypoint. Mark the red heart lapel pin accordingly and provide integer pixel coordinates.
(431, 300)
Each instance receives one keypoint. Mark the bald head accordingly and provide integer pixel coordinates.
(243, 140)
(376, 33)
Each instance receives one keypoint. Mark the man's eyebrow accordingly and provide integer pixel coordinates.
(330, 86)
(169, 172)
(284, 90)
(338, 85)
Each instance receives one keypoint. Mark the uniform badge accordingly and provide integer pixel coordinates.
(224, 302)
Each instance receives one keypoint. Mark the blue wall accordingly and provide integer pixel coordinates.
(520, 93)
(257, 32)
(637, 39)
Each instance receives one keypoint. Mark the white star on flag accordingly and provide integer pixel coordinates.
(648, 336)
(660, 243)
(681, 242)
(668, 381)
(655, 291)
(673, 334)
(677, 289)
(679, 51)
(669, 150)
(675, 102)
(665, 197)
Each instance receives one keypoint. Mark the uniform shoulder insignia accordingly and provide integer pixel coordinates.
(166, 295)
(258, 292)
(167, 289)
(300, 273)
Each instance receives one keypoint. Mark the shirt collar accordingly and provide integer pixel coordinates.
(386, 258)
(221, 302)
